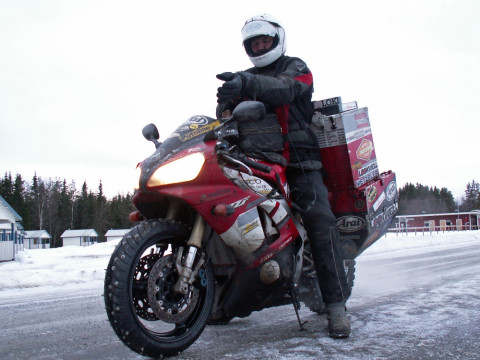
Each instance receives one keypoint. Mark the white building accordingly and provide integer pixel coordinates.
(10, 231)
(116, 234)
(37, 239)
(83, 237)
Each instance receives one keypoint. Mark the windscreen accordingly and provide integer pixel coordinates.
(190, 133)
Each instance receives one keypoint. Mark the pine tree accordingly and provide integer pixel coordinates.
(118, 211)
(82, 218)
(472, 193)
(18, 201)
(100, 213)
(6, 187)
(53, 213)
(37, 198)
(64, 213)
(421, 199)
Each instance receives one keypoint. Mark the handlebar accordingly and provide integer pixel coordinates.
(241, 159)
(234, 156)
(253, 164)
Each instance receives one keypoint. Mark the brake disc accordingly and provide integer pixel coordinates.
(140, 283)
(168, 305)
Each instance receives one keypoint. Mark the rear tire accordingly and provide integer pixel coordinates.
(127, 290)
(313, 300)
(350, 275)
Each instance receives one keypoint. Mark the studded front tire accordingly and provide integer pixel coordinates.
(144, 310)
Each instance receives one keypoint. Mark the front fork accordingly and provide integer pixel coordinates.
(185, 265)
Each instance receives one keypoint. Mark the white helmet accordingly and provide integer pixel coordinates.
(264, 25)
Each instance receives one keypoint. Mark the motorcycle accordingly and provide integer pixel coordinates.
(217, 238)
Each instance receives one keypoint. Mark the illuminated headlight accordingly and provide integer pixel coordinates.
(138, 173)
(181, 170)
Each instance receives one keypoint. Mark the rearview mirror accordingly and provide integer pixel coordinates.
(150, 132)
(249, 111)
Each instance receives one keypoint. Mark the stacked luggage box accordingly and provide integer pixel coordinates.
(363, 200)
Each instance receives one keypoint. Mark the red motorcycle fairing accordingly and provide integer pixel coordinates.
(208, 189)
(244, 193)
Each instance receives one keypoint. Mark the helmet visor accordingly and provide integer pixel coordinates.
(248, 45)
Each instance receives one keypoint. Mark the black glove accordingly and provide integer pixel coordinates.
(231, 88)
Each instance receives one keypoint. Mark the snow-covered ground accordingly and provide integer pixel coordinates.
(45, 273)
(415, 297)
(70, 271)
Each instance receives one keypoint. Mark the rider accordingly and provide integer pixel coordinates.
(285, 85)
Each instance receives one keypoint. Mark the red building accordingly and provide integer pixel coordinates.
(439, 222)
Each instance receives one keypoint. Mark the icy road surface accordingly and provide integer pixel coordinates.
(415, 297)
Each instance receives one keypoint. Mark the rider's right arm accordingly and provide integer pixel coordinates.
(279, 90)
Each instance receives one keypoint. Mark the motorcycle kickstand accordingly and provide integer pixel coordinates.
(296, 306)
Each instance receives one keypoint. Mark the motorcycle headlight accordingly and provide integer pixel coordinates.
(138, 174)
(180, 170)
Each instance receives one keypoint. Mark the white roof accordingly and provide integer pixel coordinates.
(7, 212)
(35, 234)
(79, 233)
(116, 232)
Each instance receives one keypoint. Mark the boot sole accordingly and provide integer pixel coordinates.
(339, 335)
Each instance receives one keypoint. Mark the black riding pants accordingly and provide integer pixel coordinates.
(311, 195)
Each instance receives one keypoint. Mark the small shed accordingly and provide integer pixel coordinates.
(81, 237)
(115, 234)
(11, 238)
(37, 239)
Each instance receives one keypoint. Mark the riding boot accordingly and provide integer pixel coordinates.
(338, 323)
(332, 279)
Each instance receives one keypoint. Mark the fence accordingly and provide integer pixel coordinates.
(404, 231)
(11, 242)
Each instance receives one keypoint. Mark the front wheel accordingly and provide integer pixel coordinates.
(146, 312)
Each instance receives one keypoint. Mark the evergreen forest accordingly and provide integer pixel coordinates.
(55, 205)
(420, 199)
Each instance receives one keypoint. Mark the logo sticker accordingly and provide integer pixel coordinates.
(367, 169)
(330, 102)
(357, 165)
(199, 131)
(371, 194)
(364, 151)
(257, 184)
(199, 120)
(350, 223)
(249, 227)
(359, 204)
(240, 202)
(391, 190)
(300, 66)
(379, 202)
(252, 27)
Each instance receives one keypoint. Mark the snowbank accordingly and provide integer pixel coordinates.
(71, 270)
(60, 271)
(393, 243)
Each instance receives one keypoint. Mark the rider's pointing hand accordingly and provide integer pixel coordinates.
(231, 88)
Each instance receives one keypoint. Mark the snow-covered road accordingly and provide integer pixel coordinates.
(415, 297)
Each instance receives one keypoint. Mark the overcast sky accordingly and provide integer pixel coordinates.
(80, 79)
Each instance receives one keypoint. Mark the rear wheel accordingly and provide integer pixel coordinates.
(313, 299)
(349, 266)
(145, 311)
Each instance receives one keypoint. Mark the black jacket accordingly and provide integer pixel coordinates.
(285, 87)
